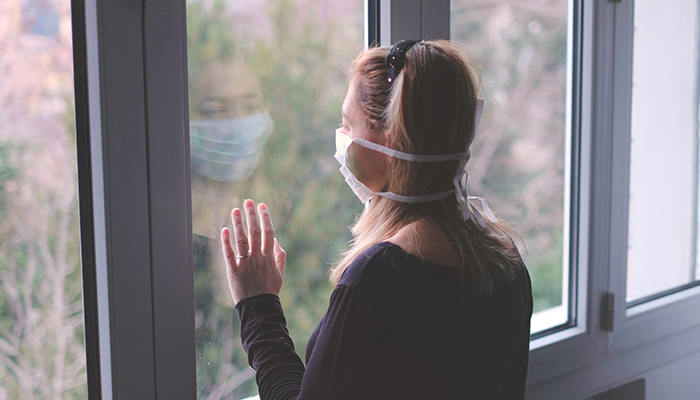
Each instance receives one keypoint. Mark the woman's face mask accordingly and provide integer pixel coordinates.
(343, 147)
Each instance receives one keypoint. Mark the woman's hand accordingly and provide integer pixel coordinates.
(259, 266)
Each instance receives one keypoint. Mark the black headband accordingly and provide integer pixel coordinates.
(396, 59)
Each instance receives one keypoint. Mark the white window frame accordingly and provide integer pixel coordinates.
(649, 321)
(647, 335)
(136, 207)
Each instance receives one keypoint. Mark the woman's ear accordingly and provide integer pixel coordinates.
(384, 139)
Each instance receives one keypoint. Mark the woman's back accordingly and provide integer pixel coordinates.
(407, 333)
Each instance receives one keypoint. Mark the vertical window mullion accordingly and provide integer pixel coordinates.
(165, 71)
(372, 23)
(403, 20)
(120, 198)
(620, 158)
(87, 248)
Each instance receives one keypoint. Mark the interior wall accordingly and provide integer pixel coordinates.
(677, 379)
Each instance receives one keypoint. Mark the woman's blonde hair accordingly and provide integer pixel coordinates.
(429, 109)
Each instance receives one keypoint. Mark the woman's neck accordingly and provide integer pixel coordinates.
(425, 240)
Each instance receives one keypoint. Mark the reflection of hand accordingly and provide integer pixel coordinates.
(259, 266)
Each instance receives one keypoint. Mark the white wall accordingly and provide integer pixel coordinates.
(679, 379)
(670, 371)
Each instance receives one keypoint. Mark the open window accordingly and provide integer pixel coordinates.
(654, 240)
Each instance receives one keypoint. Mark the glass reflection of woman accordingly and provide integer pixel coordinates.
(432, 300)
(228, 128)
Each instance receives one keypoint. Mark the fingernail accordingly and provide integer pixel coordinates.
(249, 203)
(263, 206)
(237, 212)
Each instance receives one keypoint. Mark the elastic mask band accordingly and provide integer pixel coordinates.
(424, 157)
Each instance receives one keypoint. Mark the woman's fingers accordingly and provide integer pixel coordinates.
(254, 273)
(229, 254)
(280, 256)
(268, 231)
(239, 232)
(254, 231)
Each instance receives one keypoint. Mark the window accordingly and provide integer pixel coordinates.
(663, 204)
(42, 347)
(267, 81)
(522, 156)
(653, 274)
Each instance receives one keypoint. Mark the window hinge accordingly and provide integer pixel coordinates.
(607, 315)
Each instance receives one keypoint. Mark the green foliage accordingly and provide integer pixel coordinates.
(8, 172)
(40, 268)
(208, 33)
(546, 273)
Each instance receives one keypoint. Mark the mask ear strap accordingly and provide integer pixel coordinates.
(407, 156)
(425, 157)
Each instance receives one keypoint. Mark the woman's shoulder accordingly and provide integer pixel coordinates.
(370, 259)
(388, 269)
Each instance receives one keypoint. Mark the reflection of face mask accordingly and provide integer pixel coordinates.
(343, 143)
(229, 150)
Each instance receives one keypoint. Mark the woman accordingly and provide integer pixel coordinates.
(432, 301)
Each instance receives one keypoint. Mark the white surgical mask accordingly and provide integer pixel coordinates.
(343, 142)
(229, 149)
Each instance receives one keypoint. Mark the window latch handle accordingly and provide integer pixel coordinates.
(607, 315)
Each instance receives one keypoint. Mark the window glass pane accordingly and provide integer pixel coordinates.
(42, 350)
(663, 173)
(267, 81)
(521, 155)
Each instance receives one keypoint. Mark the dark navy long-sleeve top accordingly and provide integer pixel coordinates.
(396, 327)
